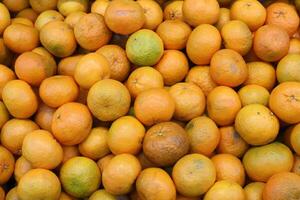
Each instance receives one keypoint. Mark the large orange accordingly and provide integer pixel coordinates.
(6, 75)
(251, 94)
(203, 134)
(201, 48)
(7, 165)
(225, 100)
(284, 102)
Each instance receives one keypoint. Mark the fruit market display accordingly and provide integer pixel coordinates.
(149, 100)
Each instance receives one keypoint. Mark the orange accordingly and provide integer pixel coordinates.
(49, 59)
(203, 135)
(287, 69)
(143, 79)
(16, 6)
(155, 183)
(153, 13)
(283, 15)
(67, 65)
(58, 38)
(91, 68)
(229, 168)
(67, 7)
(7, 165)
(40, 6)
(262, 162)
(21, 38)
(237, 36)
(108, 100)
(173, 66)
(46, 185)
(295, 139)
(33, 68)
(4, 117)
(294, 46)
(165, 143)
(49, 154)
(6, 75)
(103, 162)
(120, 174)
(252, 12)
(271, 43)
(254, 190)
(19, 99)
(284, 102)
(174, 34)
(118, 61)
(225, 190)
(91, 32)
(28, 13)
(46, 17)
(225, 100)
(22, 166)
(4, 18)
(102, 194)
(296, 166)
(196, 12)
(12, 194)
(261, 73)
(283, 185)
(200, 76)
(13, 133)
(95, 145)
(43, 116)
(254, 94)
(193, 175)
(73, 18)
(228, 68)
(58, 90)
(256, 124)
(80, 177)
(99, 6)
(201, 48)
(124, 16)
(231, 142)
(224, 17)
(189, 101)
(71, 123)
(126, 135)
(154, 106)
(22, 20)
(69, 152)
(173, 10)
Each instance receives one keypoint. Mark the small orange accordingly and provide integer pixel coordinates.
(224, 17)
(228, 68)
(22, 166)
(40, 6)
(103, 162)
(173, 66)
(284, 102)
(153, 13)
(28, 13)
(174, 34)
(231, 142)
(13, 133)
(193, 175)
(58, 90)
(126, 135)
(16, 5)
(99, 6)
(189, 101)
(201, 48)
(73, 18)
(173, 10)
(254, 190)
(7, 165)
(261, 73)
(225, 100)
(43, 116)
(203, 134)
(67, 65)
(46, 17)
(229, 167)
(143, 79)
(287, 69)
(71, 123)
(154, 106)
(95, 146)
(254, 94)
(67, 7)
(6, 75)
(294, 46)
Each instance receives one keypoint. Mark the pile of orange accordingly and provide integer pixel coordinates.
(149, 100)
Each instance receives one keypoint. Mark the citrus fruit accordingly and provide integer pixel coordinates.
(254, 190)
(70, 152)
(224, 17)
(144, 48)
(120, 174)
(264, 161)
(153, 14)
(99, 6)
(108, 100)
(103, 162)
(7, 165)
(296, 166)
(193, 175)
(287, 69)
(22, 166)
(16, 6)
(80, 177)
(43, 117)
(73, 18)
(173, 10)
(4, 18)
(46, 17)
(165, 143)
(102, 195)
(294, 138)
(22, 20)
(46, 185)
(12, 194)
(28, 13)
(294, 46)
(71, 123)
(254, 94)
(67, 65)
(42, 5)
(67, 7)
(4, 114)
